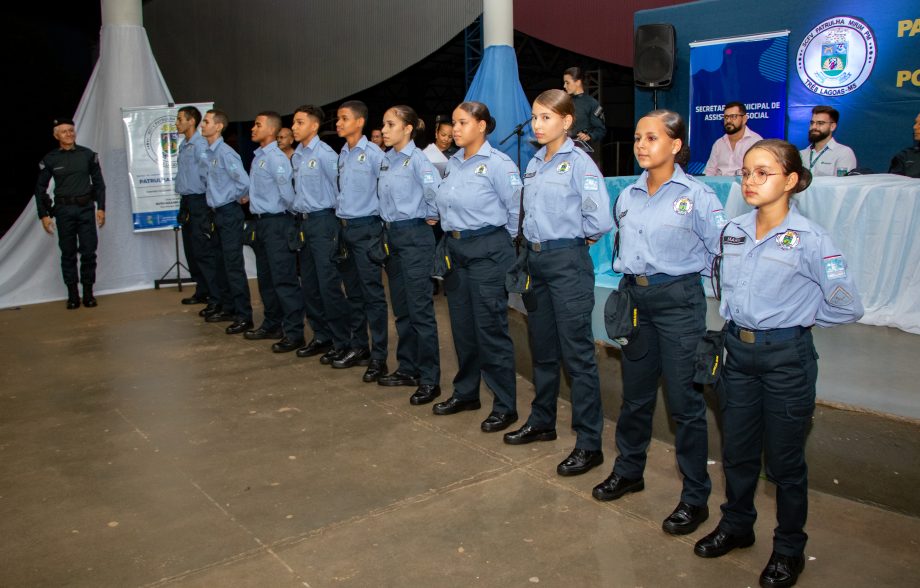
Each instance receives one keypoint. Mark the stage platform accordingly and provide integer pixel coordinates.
(140, 446)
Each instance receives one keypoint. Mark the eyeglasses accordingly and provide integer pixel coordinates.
(818, 123)
(758, 176)
(733, 116)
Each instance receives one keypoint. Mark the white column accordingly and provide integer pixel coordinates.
(122, 12)
(497, 23)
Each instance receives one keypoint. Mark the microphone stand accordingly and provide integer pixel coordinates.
(519, 131)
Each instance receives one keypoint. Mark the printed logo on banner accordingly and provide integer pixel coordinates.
(161, 138)
(837, 56)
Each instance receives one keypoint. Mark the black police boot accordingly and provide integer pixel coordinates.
(73, 297)
(89, 301)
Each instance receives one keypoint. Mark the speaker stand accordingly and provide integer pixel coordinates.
(178, 266)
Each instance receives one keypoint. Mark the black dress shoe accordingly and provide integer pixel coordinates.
(73, 303)
(194, 299)
(262, 333)
(579, 462)
(208, 310)
(314, 347)
(90, 301)
(615, 486)
(238, 327)
(398, 378)
(498, 421)
(220, 317)
(287, 345)
(425, 394)
(685, 519)
(332, 355)
(718, 543)
(529, 434)
(453, 405)
(375, 369)
(782, 571)
(352, 358)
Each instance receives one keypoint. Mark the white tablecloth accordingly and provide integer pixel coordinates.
(875, 220)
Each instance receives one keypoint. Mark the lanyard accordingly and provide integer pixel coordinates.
(812, 160)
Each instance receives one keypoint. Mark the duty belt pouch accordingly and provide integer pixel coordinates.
(249, 232)
(379, 249)
(185, 214)
(518, 280)
(339, 249)
(621, 319)
(295, 236)
(710, 357)
(208, 227)
(442, 263)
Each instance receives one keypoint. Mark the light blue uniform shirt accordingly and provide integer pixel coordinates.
(674, 232)
(270, 187)
(315, 169)
(408, 184)
(795, 276)
(565, 197)
(227, 179)
(358, 170)
(484, 190)
(192, 176)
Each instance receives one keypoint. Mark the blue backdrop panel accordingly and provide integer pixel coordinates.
(498, 86)
(875, 119)
(750, 70)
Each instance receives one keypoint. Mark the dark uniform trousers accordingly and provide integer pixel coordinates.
(560, 327)
(767, 399)
(672, 319)
(324, 302)
(478, 307)
(409, 271)
(194, 240)
(276, 267)
(76, 228)
(230, 268)
(363, 279)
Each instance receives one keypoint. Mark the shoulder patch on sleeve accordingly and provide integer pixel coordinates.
(840, 297)
(514, 178)
(835, 267)
(718, 218)
(591, 183)
(427, 177)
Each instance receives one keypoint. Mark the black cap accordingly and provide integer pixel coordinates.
(61, 121)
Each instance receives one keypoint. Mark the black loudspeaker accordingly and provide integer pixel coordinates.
(653, 57)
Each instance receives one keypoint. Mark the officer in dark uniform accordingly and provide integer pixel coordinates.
(78, 185)
(907, 161)
(191, 179)
(589, 126)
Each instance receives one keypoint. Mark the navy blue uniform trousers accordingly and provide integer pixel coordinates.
(324, 302)
(672, 319)
(363, 280)
(76, 230)
(560, 328)
(229, 268)
(276, 269)
(478, 307)
(767, 399)
(409, 270)
(194, 240)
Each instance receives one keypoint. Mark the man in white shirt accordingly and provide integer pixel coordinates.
(825, 156)
(727, 156)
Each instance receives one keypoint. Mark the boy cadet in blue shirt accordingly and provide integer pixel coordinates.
(358, 210)
(271, 196)
(315, 171)
(191, 178)
(227, 186)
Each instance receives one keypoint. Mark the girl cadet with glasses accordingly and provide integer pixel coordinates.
(780, 275)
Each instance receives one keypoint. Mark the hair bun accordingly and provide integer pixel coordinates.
(804, 181)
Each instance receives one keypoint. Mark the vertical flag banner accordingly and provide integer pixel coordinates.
(152, 143)
(752, 70)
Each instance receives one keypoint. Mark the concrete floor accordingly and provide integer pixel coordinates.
(140, 446)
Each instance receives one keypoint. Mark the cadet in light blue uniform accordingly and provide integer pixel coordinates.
(407, 188)
(566, 206)
(358, 210)
(271, 196)
(193, 206)
(780, 274)
(227, 187)
(479, 202)
(668, 235)
(315, 172)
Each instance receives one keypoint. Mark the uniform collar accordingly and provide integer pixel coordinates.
(361, 144)
(408, 150)
(484, 151)
(213, 146)
(311, 145)
(793, 222)
(678, 177)
(831, 145)
(567, 147)
(269, 149)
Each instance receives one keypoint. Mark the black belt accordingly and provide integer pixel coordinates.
(261, 215)
(320, 212)
(78, 200)
(360, 221)
(555, 244)
(187, 195)
(403, 224)
(766, 336)
(472, 233)
(654, 279)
